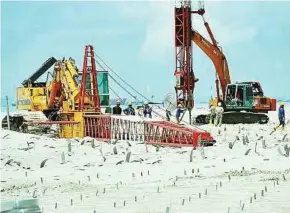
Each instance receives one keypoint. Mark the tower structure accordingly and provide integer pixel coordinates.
(89, 83)
(185, 78)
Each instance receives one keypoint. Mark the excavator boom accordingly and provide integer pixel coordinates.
(244, 96)
(217, 57)
(44, 67)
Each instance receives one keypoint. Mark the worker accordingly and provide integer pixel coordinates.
(212, 113)
(179, 111)
(108, 110)
(168, 114)
(129, 110)
(147, 110)
(58, 113)
(117, 110)
(219, 110)
(53, 116)
(240, 97)
(281, 117)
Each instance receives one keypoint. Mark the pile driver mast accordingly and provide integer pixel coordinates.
(243, 96)
(89, 72)
(185, 78)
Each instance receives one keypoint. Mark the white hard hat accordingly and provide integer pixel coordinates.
(146, 103)
(219, 103)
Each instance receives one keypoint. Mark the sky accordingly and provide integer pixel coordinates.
(136, 39)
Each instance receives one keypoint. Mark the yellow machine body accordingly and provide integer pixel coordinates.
(75, 130)
(31, 98)
(72, 130)
(62, 93)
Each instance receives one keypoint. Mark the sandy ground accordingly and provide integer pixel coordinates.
(221, 180)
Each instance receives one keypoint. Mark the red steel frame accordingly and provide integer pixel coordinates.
(106, 128)
(97, 126)
(183, 51)
(50, 122)
(171, 134)
(89, 68)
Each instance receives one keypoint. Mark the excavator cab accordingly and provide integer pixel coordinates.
(239, 96)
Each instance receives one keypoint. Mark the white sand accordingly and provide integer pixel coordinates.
(169, 183)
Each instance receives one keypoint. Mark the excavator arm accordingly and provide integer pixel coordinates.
(218, 58)
(68, 80)
(64, 82)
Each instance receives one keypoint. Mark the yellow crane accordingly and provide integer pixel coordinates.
(44, 99)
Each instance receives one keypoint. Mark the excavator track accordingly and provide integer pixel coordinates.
(236, 118)
(15, 122)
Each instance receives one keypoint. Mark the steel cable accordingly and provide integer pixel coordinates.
(135, 97)
(115, 93)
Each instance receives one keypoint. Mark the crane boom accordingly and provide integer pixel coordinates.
(218, 58)
(68, 80)
(213, 51)
(245, 96)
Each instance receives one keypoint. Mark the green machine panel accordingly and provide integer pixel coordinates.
(103, 87)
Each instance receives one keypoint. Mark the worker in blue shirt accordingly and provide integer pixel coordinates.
(147, 110)
(129, 110)
(179, 111)
(281, 117)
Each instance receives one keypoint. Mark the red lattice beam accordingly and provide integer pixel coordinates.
(106, 128)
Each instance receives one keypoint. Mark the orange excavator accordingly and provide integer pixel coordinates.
(243, 102)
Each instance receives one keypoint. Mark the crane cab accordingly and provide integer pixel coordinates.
(239, 97)
(247, 96)
(261, 102)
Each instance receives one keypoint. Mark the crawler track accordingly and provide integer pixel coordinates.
(17, 121)
(236, 118)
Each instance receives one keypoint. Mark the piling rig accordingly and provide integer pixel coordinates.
(243, 102)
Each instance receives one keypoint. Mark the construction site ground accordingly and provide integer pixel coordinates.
(95, 175)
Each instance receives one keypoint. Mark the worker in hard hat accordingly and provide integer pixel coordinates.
(219, 111)
(179, 111)
(281, 117)
(117, 110)
(129, 110)
(212, 113)
(147, 110)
